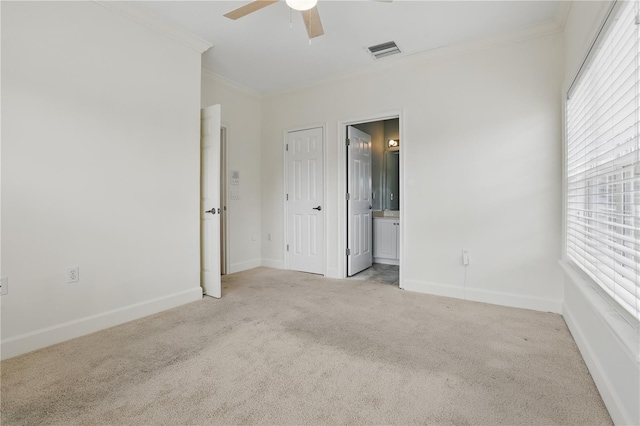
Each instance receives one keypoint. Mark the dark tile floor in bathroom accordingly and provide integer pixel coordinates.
(378, 272)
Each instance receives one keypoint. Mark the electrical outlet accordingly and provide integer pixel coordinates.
(73, 275)
(465, 257)
(4, 285)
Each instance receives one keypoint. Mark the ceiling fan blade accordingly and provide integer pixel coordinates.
(311, 19)
(249, 8)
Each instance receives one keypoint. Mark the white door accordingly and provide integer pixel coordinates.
(223, 202)
(359, 242)
(210, 207)
(305, 201)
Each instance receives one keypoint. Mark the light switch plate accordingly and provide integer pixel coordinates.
(235, 177)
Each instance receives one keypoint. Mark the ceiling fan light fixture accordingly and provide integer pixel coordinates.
(301, 4)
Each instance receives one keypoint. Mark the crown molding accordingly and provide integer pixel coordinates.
(562, 13)
(210, 75)
(157, 24)
(542, 29)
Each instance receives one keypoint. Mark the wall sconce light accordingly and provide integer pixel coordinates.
(394, 143)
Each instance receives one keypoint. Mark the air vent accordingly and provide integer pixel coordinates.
(385, 49)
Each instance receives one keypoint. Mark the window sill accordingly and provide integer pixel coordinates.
(623, 329)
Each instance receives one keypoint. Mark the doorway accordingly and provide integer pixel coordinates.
(384, 201)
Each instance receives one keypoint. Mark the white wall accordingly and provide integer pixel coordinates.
(481, 138)
(608, 343)
(100, 170)
(241, 112)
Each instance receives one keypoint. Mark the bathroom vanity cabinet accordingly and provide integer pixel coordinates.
(386, 240)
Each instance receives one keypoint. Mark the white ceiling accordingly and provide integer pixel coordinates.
(262, 52)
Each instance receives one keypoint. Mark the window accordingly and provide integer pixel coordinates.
(603, 168)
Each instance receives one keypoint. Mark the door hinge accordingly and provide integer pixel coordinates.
(287, 147)
(287, 197)
(637, 19)
(348, 251)
(287, 247)
(348, 196)
(348, 142)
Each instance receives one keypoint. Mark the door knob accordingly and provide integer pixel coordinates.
(317, 208)
(212, 211)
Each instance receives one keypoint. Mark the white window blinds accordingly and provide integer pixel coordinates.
(602, 170)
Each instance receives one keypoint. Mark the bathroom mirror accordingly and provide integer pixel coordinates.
(391, 185)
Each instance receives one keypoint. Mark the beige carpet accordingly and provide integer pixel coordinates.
(291, 348)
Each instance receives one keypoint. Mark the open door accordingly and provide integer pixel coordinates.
(224, 234)
(210, 207)
(359, 244)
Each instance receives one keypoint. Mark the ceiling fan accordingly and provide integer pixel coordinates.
(308, 8)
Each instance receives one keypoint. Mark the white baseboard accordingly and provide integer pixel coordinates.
(333, 273)
(273, 263)
(244, 266)
(433, 288)
(385, 261)
(48, 336)
(279, 264)
(485, 296)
